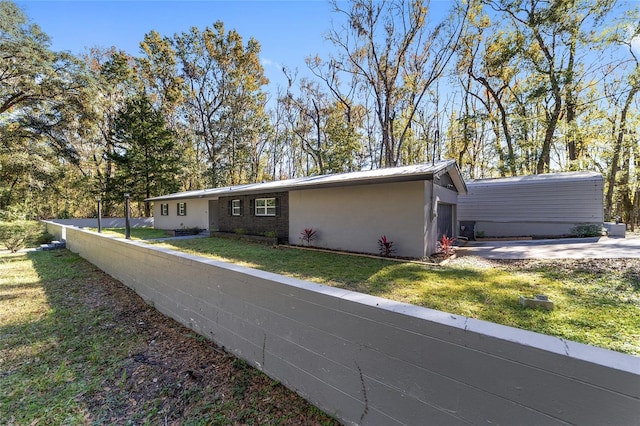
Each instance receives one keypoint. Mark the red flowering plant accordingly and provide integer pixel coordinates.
(385, 246)
(308, 235)
(445, 246)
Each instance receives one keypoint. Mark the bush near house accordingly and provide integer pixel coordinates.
(385, 246)
(587, 230)
(309, 235)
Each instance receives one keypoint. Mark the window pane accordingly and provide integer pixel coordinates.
(265, 206)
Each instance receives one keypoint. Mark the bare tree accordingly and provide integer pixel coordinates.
(397, 57)
(550, 35)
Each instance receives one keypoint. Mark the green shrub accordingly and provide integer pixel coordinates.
(17, 234)
(270, 234)
(587, 230)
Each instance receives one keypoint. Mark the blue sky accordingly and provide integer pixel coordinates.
(288, 31)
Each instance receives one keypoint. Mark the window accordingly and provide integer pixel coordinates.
(164, 209)
(265, 206)
(236, 208)
(182, 209)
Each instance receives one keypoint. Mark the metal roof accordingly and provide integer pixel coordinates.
(541, 178)
(386, 175)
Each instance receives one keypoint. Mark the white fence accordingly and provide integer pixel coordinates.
(372, 361)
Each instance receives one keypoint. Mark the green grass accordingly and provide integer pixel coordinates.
(51, 351)
(77, 347)
(595, 304)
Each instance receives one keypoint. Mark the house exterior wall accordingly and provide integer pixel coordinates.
(197, 214)
(249, 222)
(549, 205)
(353, 218)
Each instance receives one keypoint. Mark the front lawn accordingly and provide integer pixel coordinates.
(597, 301)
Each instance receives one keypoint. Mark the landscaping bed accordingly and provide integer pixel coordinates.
(183, 232)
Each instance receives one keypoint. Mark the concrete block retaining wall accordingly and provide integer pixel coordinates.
(371, 361)
(107, 222)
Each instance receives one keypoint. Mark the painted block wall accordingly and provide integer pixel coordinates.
(197, 215)
(353, 218)
(107, 222)
(252, 224)
(371, 361)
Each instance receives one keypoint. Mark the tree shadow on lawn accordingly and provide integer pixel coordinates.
(98, 353)
(488, 294)
(55, 350)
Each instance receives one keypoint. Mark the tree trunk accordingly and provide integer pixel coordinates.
(544, 160)
(617, 149)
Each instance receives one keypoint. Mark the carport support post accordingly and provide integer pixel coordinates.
(99, 214)
(127, 225)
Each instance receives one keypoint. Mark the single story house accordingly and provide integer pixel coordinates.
(412, 206)
(545, 205)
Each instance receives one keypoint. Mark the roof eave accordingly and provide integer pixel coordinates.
(449, 166)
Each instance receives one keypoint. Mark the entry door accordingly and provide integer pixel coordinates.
(213, 215)
(445, 220)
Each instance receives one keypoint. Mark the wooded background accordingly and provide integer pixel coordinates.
(505, 87)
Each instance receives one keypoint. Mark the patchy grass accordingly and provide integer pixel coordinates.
(77, 347)
(597, 301)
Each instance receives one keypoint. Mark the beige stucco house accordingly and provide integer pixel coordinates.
(412, 206)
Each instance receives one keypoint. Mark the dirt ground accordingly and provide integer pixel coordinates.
(176, 377)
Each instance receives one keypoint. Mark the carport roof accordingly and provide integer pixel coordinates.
(541, 178)
(386, 175)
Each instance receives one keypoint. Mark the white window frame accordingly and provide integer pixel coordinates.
(265, 206)
(235, 208)
(182, 209)
(164, 209)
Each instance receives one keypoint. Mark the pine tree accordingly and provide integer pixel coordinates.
(145, 158)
